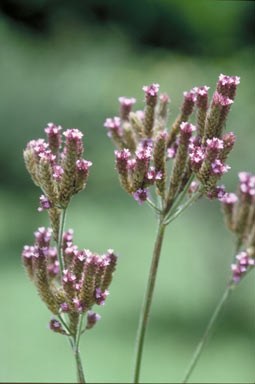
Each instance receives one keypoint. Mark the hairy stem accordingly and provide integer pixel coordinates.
(147, 301)
(181, 209)
(209, 327)
(80, 373)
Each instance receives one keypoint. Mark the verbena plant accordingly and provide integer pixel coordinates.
(70, 281)
(169, 169)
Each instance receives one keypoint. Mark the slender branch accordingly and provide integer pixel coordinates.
(180, 197)
(79, 329)
(62, 321)
(59, 244)
(209, 327)
(147, 301)
(80, 374)
(152, 205)
(183, 207)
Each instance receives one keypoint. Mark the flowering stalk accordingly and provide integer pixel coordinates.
(141, 163)
(244, 261)
(70, 281)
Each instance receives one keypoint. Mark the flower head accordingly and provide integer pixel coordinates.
(141, 195)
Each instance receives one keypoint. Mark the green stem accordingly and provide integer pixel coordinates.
(183, 207)
(180, 198)
(209, 327)
(62, 321)
(152, 205)
(80, 374)
(60, 237)
(147, 301)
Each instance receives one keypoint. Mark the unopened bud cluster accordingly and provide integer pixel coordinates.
(60, 174)
(84, 283)
(239, 214)
(145, 143)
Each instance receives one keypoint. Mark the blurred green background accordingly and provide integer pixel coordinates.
(68, 62)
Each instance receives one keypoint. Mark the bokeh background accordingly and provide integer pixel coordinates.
(67, 62)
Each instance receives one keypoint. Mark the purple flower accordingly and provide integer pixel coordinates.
(247, 183)
(217, 193)
(73, 134)
(164, 98)
(92, 319)
(57, 172)
(229, 198)
(187, 129)
(53, 269)
(227, 85)
(65, 308)
(126, 102)
(189, 102)
(151, 176)
(44, 203)
(229, 140)
(244, 261)
(56, 326)
(220, 100)
(197, 155)
(219, 168)
(171, 152)
(214, 144)
(83, 166)
(126, 106)
(28, 251)
(43, 236)
(124, 154)
(151, 90)
(141, 195)
(202, 97)
(113, 125)
(38, 146)
(101, 296)
(54, 136)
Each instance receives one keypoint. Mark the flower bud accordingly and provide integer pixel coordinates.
(115, 131)
(82, 173)
(122, 158)
(228, 202)
(179, 161)
(56, 326)
(125, 107)
(141, 167)
(92, 319)
(73, 151)
(202, 106)
(137, 123)
(110, 268)
(159, 156)
(27, 260)
(41, 278)
(151, 96)
(54, 137)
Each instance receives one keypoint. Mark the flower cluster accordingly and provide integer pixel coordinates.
(70, 281)
(244, 262)
(239, 209)
(239, 214)
(145, 144)
(59, 174)
(84, 282)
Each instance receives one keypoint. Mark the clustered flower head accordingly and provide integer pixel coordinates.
(84, 283)
(70, 281)
(239, 213)
(145, 143)
(60, 175)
